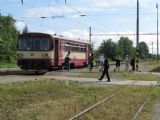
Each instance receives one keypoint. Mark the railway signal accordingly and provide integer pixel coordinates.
(137, 34)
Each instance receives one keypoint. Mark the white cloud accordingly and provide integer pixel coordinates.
(110, 4)
(48, 11)
(14, 0)
(123, 20)
(95, 6)
(20, 25)
(148, 18)
(77, 34)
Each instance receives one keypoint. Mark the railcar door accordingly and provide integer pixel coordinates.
(56, 51)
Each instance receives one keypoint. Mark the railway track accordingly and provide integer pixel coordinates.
(99, 103)
(118, 91)
(144, 103)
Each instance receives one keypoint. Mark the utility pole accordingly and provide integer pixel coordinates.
(157, 35)
(90, 34)
(137, 32)
(137, 35)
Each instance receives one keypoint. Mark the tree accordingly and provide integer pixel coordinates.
(108, 48)
(25, 29)
(8, 36)
(126, 46)
(143, 50)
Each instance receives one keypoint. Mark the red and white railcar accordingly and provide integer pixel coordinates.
(38, 51)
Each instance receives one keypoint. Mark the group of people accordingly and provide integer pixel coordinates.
(132, 63)
(104, 66)
(126, 61)
(102, 62)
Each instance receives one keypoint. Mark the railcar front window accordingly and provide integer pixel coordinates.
(34, 44)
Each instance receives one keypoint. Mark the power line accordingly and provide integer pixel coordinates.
(114, 14)
(121, 34)
(85, 15)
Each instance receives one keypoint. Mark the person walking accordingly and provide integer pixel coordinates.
(91, 62)
(101, 58)
(105, 70)
(117, 64)
(67, 61)
(126, 63)
(132, 63)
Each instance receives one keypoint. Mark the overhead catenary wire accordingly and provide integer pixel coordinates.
(87, 16)
(69, 6)
(81, 14)
(120, 34)
(91, 20)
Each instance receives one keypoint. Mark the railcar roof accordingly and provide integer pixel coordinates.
(56, 36)
(66, 38)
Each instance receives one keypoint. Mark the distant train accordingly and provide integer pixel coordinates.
(39, 51)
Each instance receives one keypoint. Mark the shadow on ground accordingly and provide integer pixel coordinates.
(157, 69)
(19, 72)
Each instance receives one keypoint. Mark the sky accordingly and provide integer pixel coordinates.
(74, 18)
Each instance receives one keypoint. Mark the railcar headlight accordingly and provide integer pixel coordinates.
(44, 55)
(20, 55)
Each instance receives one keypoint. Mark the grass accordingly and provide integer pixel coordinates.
(125, 105)
(8, 65)
(154, 66)
(46, 99)
(50, 99)
(135, 76)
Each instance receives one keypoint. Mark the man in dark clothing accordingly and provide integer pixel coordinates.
(105, 71)
(117, 64)
(91, 62)
(132, 63)
(67, 61)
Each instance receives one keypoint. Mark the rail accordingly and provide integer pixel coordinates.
(98, 103)
(144, 103)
